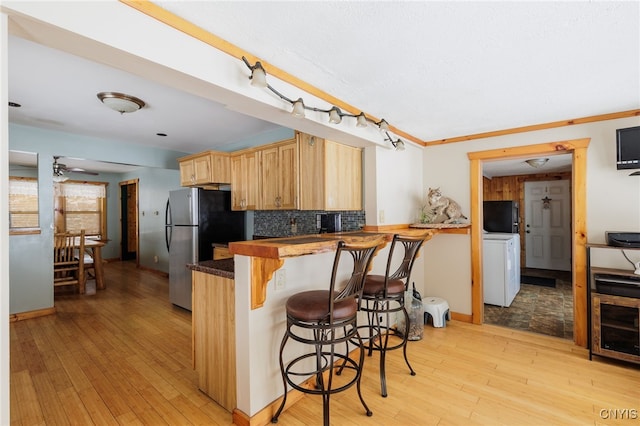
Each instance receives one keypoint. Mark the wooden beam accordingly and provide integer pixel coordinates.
(532, 128)
(198, 33)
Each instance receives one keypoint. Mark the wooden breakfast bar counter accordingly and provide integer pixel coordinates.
(268, 255)
(255, 323)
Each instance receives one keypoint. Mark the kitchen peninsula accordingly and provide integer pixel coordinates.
(244, 317)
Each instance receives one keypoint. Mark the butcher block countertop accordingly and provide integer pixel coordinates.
(268, 255)
(280, 248)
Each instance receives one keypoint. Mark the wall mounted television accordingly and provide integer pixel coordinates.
(628, 148)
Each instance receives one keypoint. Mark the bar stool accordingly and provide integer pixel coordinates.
(326, 320)
(383, 295)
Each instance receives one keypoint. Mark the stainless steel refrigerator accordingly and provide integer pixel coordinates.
(501, 216)
(195, 219)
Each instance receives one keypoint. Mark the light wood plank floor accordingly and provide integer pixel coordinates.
(123, 356)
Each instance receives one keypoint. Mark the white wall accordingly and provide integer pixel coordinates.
(613, 200)
(393, 184)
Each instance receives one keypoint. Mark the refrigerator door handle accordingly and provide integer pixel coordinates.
(167, 226)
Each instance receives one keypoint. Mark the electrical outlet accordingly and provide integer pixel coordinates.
(381, 216)
(155, 259)
(281, 279)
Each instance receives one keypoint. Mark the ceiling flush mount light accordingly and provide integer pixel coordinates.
(258, 78)
(121, 102)
(537, 162)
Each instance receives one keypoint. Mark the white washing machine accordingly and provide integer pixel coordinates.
(500, 268)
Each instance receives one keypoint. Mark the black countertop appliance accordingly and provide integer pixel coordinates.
(501, 216)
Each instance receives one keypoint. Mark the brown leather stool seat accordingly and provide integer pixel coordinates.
(375, 285)
(383, 298)
(326, 321)
(314, 306)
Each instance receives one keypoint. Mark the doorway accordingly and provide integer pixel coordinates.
(577, 148)
(541, 298)
(129, 220)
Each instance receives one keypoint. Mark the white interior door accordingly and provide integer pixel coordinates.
(548, 225)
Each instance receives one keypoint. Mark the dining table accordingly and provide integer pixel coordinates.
(94, 247)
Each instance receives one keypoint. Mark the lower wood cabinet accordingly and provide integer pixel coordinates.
(615, 329)
(213, 337)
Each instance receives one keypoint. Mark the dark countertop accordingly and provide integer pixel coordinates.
(222, 268)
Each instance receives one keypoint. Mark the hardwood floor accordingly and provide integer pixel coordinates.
(123, 356)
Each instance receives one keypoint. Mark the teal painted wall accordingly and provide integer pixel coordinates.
(154, 186)
(31, 256)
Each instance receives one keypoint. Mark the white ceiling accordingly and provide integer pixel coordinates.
(432, 69)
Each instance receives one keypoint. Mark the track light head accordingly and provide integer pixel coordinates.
(258, 76)
(298, 108)
(398, 144)
(361, 120)
(335, 115)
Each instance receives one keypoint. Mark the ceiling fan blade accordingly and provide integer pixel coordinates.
(83, 171)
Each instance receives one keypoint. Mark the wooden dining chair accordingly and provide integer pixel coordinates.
(68, 267)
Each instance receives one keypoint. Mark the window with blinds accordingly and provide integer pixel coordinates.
(23, 203)
(81, 205)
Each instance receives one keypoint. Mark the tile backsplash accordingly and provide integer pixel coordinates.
(278, 223)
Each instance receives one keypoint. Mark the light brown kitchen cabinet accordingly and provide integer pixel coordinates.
(245, 180)
(330, 174)
(205, 168)
(214, 337)
(279, 176)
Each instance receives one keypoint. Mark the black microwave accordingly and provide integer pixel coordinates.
(628, 148)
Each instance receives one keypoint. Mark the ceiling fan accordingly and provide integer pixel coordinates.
(60, 169)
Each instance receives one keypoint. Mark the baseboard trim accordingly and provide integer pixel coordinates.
(32, 314)
(154, 271)
(263, 417)
(461, 317)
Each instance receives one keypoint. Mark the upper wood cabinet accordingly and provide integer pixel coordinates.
(245, 183)
(279, 176)
(330, 174)
(209, 167)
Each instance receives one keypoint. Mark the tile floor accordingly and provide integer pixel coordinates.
(543, 310)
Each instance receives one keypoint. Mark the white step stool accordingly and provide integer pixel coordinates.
(438, 308)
